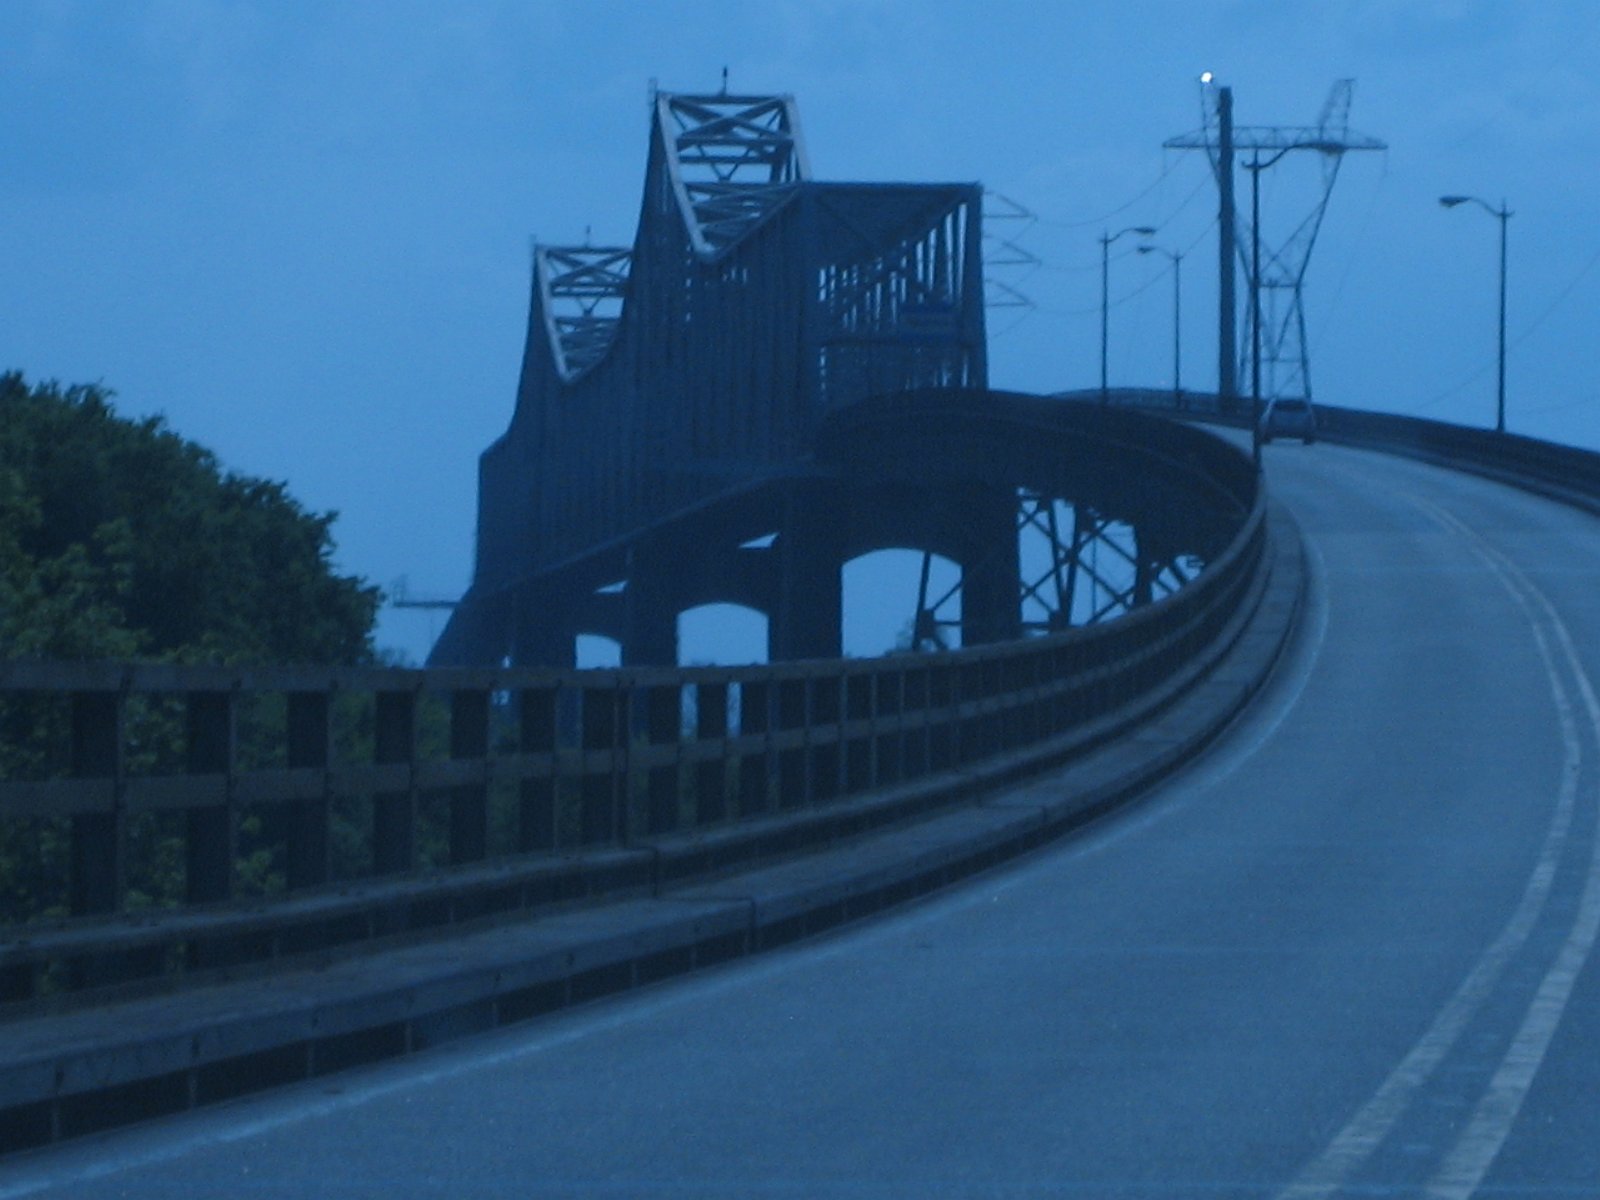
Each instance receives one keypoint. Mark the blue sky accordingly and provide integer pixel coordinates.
(301, 230)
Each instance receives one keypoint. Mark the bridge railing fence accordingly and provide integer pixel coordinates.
(159, 819)
(1570, 472)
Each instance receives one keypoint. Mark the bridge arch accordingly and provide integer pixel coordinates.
(718, 633)
(596, 650)
(899, 598)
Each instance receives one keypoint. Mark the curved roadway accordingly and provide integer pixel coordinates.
(1347, 953)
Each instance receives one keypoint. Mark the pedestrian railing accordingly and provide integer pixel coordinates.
(159, 819)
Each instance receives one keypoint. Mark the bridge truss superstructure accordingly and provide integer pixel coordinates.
(676, 436)
(753, 302)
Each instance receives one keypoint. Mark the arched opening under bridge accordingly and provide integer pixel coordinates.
(898, 599)
(721, 635)
(597, 650)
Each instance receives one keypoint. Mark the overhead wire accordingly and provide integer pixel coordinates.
(1138, 291)
(1522, 336)
(1082, 268)
(1030, 218)
(1360, 241)
(1171, 165)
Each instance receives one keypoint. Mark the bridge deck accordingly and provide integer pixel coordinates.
(163, 1053)
(1336, 950)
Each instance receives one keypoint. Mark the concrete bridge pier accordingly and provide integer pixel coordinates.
(651, 603)
(796, 581)
(808, 604)
(543, 631)
(548, 619)
(707, 562)
(991, 609)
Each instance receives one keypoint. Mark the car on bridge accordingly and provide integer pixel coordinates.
(1289, 418)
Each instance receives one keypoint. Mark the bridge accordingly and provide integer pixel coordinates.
(1324, 736)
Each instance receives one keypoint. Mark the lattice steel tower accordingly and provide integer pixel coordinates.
(1273, 352)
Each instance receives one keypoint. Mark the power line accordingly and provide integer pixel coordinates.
(1084, 268)
(1138, 291)
(1526, 332)
(1360, 244)
(1171, 165)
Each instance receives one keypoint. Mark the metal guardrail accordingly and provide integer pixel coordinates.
(557, 769)
(1568, 473)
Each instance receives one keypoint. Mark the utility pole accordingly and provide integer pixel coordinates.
(1278, 342)
(1503, 214)
(1227, 335)
(1175, 257)
(1105, 296)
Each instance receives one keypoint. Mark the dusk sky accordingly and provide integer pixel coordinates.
(301, 230)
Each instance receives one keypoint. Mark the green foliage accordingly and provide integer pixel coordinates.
(119, 538)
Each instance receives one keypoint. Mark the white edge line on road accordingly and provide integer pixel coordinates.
(1474, 1152)
(129, 1149)
(1355, 1143)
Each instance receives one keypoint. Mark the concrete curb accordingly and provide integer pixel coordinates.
(73, 1073)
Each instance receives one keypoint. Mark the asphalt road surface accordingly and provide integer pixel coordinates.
(1347, 953)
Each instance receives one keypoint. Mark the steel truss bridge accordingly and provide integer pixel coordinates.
(683, 432)
(781, 374)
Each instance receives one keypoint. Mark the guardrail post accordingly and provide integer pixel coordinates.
(97, 861)
(309, 744)
(793, 789)
(888, 712)
(916, 705)
(711, 776)
(394, 813)
(825, 720)
(536, 824)
(212, 830)
(755, 698)
(858, 766)
(663, 726)
(469, 802)
(601, 789)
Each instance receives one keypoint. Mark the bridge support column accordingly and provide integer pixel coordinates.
(542, 634)
(1145, 569)
(650, 605)
(991, 605)
(808, 618)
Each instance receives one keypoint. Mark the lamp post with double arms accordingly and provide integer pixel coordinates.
(1504, 215)
(1105, 295)
(1176, 258)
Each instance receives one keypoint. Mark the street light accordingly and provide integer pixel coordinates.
(1176, 257)
(1504, 214)
(1105, 294)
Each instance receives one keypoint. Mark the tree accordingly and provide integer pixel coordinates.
(121, 538)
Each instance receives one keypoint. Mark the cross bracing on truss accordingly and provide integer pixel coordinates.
(733, 161)
(1005, 253)
(582, 290)
(752, 302)
(1094, 569)
(1076, 587)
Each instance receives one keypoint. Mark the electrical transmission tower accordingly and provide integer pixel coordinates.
(1275, 347)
